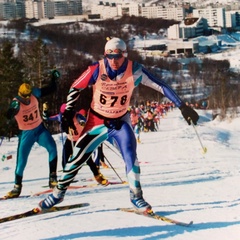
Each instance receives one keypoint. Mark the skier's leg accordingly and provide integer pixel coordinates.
(25, 143)
(83, 149)
(46, 140)
(126, 141)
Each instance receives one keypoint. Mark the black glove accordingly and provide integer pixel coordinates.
(55, 74)
(189, 114)
(67, 121)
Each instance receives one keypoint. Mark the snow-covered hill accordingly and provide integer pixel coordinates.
(177, 179)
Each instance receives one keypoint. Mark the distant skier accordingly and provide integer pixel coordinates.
(25, 108)
(113, 80)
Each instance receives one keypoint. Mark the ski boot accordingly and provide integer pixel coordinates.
(139, 203)
(101, 179)
(15, 192)
(54, 198)
(52, 180)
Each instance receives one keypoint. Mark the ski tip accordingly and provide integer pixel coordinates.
(185, 224)
(7, 197)
(37, 209)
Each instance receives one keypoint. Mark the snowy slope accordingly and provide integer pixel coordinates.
(177, 179)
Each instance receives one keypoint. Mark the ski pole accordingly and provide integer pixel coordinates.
(114, 170)
(204, 149)
(63, 148)
(113, 150)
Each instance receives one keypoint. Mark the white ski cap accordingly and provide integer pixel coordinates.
(116, 46)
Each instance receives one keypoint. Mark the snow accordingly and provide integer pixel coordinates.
(178, 180)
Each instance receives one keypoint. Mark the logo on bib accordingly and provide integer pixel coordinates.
(104, 77)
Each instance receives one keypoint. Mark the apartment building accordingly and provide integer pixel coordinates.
(154, 11)
(188, 28)
(216, 17)
(231, 20)
(49, 9)
(38, 9)
(110, 10)
(34, 9)
(69, 7)
(106, 10)
(131, 9)
(12, 9)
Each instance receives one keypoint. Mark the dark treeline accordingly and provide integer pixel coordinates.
(70, 49)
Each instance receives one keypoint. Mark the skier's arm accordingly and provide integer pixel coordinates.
(159, 85)
(151, 81)
(13, 109)
(53, 84)
(88, 77)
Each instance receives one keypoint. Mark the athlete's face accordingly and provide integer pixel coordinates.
(115, 63)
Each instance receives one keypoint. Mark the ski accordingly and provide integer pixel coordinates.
(156, 216)
(48, 191)
(47, 186)
(69, 188)
(6, 198)
(111, 182)
(93, 185)
(29, 195)
(38, 211)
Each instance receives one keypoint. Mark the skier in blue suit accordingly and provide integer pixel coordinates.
(25, 109)
(113, 80)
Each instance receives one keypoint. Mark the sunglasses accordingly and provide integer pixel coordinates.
(24, 95)
(114, 56)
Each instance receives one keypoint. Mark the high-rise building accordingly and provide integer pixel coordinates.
(155, 11)
(12, 9)
(38, 9)
(215, 16)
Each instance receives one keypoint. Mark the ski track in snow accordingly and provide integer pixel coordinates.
(177, 180)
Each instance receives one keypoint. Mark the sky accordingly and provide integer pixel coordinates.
(178, 180)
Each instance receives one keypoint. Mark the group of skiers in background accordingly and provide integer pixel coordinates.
(146, 117)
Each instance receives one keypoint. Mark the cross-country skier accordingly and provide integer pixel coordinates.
(113, 80)
(72, 136)
(25, 108)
